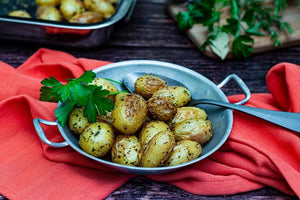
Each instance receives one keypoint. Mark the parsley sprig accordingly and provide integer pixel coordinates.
(76, 93)
(246, 18)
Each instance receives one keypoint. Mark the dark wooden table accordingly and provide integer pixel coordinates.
(152, 34)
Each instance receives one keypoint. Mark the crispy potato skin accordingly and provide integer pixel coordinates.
(97, 139)
(198, 130)
(126, 150)
(48, 13)
(148, 84)
(86, 18)
(184, 151)
(70, 8)
(19, 13)
(180, 96)
(150, 130)
(188, 112)
(158, 149)
(130, 113)
(106, 85)
(77, 121)
(161, 108)
(47, 2)
(104, 7)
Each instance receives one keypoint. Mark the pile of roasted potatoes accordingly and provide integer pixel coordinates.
(74, 11)
(150, 128)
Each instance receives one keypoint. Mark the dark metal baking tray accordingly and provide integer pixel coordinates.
(58, 33)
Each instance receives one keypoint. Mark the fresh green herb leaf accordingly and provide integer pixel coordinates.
(220, 45)
(76, 93)
(242, 46)
(246, 18)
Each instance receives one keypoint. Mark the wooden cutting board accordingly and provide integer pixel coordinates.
(197, 33)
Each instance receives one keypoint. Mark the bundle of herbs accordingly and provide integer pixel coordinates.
(245, 19)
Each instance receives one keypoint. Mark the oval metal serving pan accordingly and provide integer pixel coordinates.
(199, 87)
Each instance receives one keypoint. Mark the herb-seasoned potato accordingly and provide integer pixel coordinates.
(198, 130)
(148, 84)
(189, 112)
(126, 150)
(19, 13)
(158, 149)
(150, 130)
(184, 151)
(161, 108)
(103, 7)
(48, 13)
(130, 113)
(180, 96)
(97, 139)
(70, 8)
(86, 18)
(47, 2)
(77, 121)
(107, 85)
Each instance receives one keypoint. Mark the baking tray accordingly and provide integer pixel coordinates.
(58, 33)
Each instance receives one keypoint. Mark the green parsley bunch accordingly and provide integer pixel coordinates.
(246, 18)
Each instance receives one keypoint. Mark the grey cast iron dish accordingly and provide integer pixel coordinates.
(199, 87)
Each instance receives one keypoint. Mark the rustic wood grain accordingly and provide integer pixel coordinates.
(152, 34)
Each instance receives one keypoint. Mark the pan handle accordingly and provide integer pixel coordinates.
(37, 125)
(240, 83)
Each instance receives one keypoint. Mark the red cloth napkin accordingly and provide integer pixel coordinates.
(257, 153)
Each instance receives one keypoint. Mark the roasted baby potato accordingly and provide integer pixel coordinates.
(86, 18)
(130, 113)
(48, 13)
(106, 85)
(150, 130)
(179, 95)
(189, 112)
(97, 139)
(19, 13)
(104, 7)
(148, 84)
(126, 150)
(47, 2)
(198, 130)
(71, 8)
(158, 149)
(184, 151)
(161, 108)
(77, 121)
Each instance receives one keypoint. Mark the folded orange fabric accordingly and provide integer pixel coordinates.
(256, 154)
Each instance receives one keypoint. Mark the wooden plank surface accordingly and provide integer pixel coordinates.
(153, 34)
(198, 33)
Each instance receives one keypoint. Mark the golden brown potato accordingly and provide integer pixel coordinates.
(150, 130)
(148, 84)
(180, 96)
(77, 121)
(97, 139)
(130, 113)
(48, 13)
(107, 85)
(189, 112)
(104, 7)
(161, 108)
(158, 149)
(19, 13)
(71, 8)
(47, 2)
(126, 150)
(198, 130)
(87, 18)
(184, 151)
